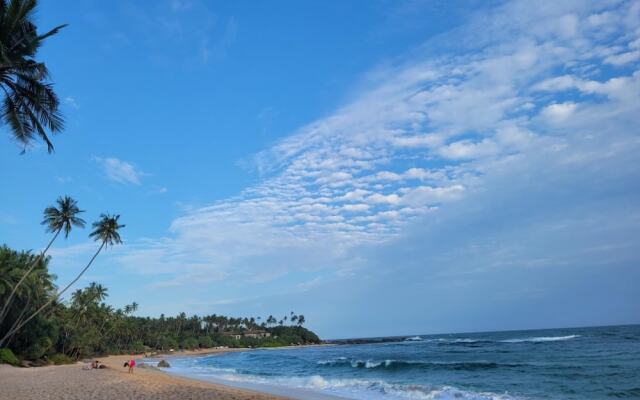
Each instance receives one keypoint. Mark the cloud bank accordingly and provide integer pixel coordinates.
(519, 128)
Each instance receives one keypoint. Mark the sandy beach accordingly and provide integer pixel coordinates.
(71, 382)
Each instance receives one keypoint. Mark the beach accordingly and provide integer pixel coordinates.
(71, 382)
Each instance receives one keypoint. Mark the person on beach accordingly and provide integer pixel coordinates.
(132, 364)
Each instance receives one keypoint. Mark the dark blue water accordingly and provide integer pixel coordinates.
(583, 363)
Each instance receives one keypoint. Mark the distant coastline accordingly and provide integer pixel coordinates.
(401, 338)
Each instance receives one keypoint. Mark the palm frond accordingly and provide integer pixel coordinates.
(31, 106)
(106, 229)
(52, 32)
(64, 216)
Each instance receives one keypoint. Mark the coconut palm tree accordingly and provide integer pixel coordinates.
(106, 231)
(57, 219)
(30, 105)
(36, 289)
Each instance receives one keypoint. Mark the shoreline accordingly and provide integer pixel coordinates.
(279, 392)
(70, 381)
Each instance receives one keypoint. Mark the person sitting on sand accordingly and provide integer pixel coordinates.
(131, 364)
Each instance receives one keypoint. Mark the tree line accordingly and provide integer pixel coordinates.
(35, 323)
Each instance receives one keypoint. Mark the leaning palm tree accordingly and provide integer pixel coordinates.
(57, 219)
(106, 231)
(30, 105)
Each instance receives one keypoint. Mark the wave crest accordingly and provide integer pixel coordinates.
(402, 364)
(367, 388)
(540, 339)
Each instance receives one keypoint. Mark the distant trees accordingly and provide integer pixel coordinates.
(30, 107)
(85, 325)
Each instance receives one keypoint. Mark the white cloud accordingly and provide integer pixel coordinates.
(467, 149)
(381, 198)
(71, 101)
(355, 207)
(120, 171)
(419, 137)
(426, 195)
(558, 112)
(623, 58)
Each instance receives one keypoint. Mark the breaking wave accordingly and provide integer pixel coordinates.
(366, 388)
(541, 339)
(402, 364)
(463, 341)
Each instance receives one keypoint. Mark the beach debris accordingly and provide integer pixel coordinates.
(163, 364)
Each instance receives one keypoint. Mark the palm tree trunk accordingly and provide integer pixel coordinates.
(35, 262)
(14, 330)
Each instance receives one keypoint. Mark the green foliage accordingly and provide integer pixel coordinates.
(294, 335)
(60, 359)
(7, 357)
(85, 326)
(37, 289)
(190, 343)
(166, 343)
(39, 348)
(137, 347)
(30, 106)
(205, 341)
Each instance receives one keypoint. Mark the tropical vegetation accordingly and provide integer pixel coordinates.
(36, 323)
(30, 106)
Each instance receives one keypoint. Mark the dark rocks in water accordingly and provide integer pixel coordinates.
(163, 364)
(374, 340)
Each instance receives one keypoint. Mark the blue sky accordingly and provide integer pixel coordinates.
(382, 167)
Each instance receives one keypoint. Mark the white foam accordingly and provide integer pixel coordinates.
(541, 339)
(358, 389)
(450, 340)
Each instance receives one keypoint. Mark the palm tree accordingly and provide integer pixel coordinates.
(30, 105)
(106, 231)
(56, 219)
(130, 308)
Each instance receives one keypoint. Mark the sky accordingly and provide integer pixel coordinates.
(382, 167)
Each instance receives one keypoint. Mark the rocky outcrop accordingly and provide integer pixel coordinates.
(163, 364)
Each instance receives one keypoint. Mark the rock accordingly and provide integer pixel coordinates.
(163, 364)
(40, 363)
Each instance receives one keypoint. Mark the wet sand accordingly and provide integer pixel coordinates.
(73, 383)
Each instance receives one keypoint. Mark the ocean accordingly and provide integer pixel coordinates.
(577, 363)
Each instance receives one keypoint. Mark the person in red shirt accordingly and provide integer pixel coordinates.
(132, 363)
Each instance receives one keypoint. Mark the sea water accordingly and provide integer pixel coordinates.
(579, 363)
